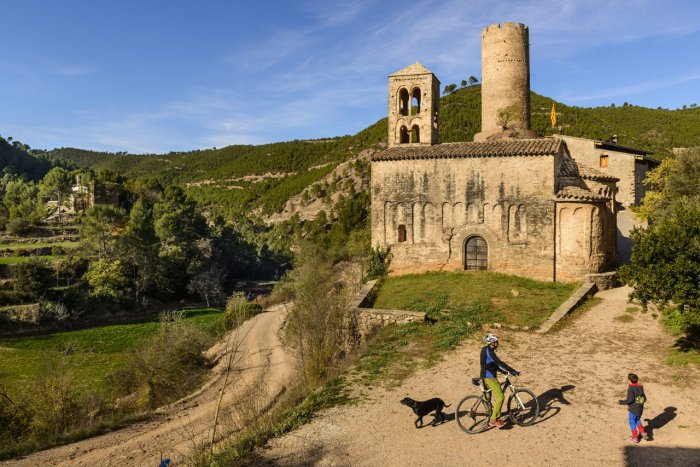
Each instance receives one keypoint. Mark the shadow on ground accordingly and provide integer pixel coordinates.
(639, 455)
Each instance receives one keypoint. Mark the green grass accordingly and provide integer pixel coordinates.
(30, 246)
(435, 291)
(93, 353)
(24, 259)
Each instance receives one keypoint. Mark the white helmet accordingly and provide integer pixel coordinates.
(491, 338)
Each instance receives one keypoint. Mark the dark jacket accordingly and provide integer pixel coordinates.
(635, 399)
(490, 366)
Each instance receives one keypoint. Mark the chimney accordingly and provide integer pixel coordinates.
(613, 139)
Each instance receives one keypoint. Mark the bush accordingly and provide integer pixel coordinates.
(170, 364)
(33, 279)
(379, 261)
(19, 226)
(238, 310)
(14, 420)
(55, 403)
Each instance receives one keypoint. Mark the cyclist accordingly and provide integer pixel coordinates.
(490, 366)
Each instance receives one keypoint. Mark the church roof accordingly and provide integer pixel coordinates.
(415, 69)
(502, 148)
(576, 193)
(571, 168)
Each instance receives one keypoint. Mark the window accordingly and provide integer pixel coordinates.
(402, 233)
(403, 135)
(415, 134)
(603, 161)
(403, 102)
(415, 102)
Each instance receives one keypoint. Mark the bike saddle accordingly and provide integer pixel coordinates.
(476, 381)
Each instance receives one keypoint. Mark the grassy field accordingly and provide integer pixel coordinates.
(29, 246)
(457, 304)
(24, 259)
(92, 353)
(504, 299)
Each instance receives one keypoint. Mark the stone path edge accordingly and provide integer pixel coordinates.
(583, 292)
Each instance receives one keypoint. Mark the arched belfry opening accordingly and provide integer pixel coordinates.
(403, 102)
(415, 134)
(403, 135)
(414, 102)
(476, 253)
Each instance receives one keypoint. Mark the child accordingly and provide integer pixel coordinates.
(635, 404)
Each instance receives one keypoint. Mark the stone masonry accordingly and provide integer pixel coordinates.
(508, 201)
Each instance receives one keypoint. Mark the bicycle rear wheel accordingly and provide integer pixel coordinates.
(473, 414)
(523, 407)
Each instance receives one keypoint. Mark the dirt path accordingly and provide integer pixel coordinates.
(579, 373)
(264, 368)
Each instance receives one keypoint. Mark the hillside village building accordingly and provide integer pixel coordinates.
(508, 201)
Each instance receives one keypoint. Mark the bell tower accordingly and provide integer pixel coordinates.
(414, 107)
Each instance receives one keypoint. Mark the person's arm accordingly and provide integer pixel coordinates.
(501, 364)
(629, 399)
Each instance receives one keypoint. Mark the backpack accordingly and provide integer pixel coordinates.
(640, 400)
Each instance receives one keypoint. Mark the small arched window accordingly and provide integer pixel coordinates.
(415, 101)
(403, 102)
(402, 233)
(403, 135)
(415, 134)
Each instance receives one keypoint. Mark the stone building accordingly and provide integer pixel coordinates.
(630, 165)
(508, 201)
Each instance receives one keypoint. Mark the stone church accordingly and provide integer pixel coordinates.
(508, 201)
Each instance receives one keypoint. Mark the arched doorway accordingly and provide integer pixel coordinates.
(476, 253)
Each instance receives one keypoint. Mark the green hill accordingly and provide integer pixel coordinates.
(216, 176)
(15, 158)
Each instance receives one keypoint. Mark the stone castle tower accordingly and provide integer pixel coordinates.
(414, 106)
(505, 78)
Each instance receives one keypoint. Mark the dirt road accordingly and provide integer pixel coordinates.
(579, 374)
(176, 429)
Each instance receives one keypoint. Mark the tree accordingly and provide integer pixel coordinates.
(473, 80)
(57, 183)
(101, 227)
(665, 262)
(507, 115)
(463, 84)
(138, 247)
(449, 88)
(33, 279)
(107, 279)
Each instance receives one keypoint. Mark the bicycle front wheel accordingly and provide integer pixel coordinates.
(523, 407)
(473, 414)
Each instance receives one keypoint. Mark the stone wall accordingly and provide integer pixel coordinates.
(505, 76)
(625, 166)
(508, 201)
(585, 239)
(428, 86)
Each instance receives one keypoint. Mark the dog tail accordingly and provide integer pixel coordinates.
(447, 405)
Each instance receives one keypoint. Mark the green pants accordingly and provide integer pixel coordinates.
(496, 396)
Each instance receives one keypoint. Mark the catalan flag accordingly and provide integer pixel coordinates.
(553, 116)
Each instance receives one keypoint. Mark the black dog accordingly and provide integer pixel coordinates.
(424, 408)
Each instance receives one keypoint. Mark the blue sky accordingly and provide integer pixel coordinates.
(172, 75)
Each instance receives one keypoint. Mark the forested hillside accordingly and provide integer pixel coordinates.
(15, 158)
(222, 177)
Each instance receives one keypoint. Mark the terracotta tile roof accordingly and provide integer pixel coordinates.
(571, 193)
(571, 168)
(503, 148)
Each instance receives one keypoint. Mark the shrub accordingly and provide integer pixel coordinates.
(238, 310)
(33, 279)
(379, 261)
(167, 366)
(19, 226)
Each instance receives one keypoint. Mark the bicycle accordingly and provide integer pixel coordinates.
(474, 412)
